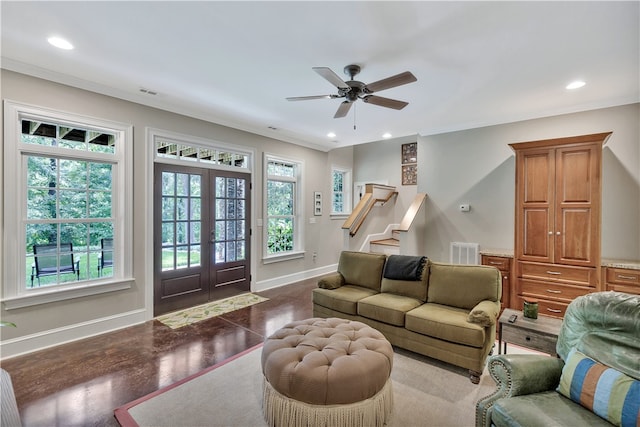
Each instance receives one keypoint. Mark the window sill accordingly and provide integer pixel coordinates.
(28, 300)
(340, 215)
(284, 257)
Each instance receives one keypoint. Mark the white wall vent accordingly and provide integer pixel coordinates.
(464, 253)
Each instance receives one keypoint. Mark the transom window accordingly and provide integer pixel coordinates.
(168, 149)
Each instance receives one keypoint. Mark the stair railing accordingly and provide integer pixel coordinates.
(412, 212)
(366, 203)
(412, 228)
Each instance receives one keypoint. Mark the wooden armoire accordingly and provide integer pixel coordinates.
(557, 220)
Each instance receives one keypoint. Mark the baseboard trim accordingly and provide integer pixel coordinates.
(53, 337)
(276, 282)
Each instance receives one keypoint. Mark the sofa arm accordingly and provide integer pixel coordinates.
(484, 313)
(516, 375)
(332, 281)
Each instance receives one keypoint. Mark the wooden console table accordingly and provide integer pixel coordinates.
(539, 334)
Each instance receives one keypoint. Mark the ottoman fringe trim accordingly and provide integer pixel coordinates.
(280, 410)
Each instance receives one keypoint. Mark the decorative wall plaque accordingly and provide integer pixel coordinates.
(409, 174)
(410, 153)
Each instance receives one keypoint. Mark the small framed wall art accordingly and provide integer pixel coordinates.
(410, 163)
(317, 203)
(409, 174)
(410, 153)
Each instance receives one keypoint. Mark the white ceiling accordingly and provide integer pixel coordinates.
(234, 63)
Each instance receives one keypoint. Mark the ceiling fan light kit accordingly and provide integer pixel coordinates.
(353, 90)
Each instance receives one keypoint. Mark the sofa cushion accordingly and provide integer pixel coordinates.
(607, 392)
(542, 410)
(409, 288)
(343, 299)
(362, 268)
(463, 286)
(332, 281)
(485, 313)
(387, 308)
(446, 323)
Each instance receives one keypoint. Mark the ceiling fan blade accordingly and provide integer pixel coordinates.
(343, 109)
(306, 98)
(389, 82)
(385, 102)
(331, 77)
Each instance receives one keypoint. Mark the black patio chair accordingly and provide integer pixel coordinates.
(46, 261)
(105, 258)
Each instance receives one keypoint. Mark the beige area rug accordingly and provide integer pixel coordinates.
(191, 315)
(426, 393)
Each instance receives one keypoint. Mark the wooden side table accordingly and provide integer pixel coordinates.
(539, 334)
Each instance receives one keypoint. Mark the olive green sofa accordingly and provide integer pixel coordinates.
(594, 381)
(444, 311)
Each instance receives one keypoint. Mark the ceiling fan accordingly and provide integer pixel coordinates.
(353, 90)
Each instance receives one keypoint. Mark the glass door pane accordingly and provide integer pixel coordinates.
(181, 220)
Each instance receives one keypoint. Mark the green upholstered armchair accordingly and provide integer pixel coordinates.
(594, 381)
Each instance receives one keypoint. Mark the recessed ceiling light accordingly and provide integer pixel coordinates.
(60, 43)
(575, 85)
(331, 135)
(386, 135)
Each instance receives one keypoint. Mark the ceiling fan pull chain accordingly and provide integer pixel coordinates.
(354, 116)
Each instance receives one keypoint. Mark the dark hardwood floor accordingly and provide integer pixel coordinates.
(81, 383)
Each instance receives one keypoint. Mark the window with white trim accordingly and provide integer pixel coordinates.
(340, 191)
(66, 181)
(282, 207)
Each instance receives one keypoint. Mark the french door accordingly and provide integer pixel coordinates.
(201, 235)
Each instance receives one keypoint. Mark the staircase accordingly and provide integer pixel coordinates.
(405, 238)
(388, 246)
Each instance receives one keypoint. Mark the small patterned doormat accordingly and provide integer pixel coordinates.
(191, 315)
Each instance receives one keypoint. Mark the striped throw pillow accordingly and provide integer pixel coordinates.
(608, 393)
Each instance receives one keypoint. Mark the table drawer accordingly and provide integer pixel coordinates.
(581, 276)
(500, 263)
(623, 276)
(550, 290)
(529, 339)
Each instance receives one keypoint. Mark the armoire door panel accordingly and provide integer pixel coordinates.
(535, 243)
(574, 175)
(537, 177)
(573, 245)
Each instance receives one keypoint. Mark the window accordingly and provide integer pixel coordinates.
(69, 210)
(187, 152)
(282, 200)
(340, 191)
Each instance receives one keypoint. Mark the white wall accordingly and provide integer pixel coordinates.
(67, 320)
(478, 167)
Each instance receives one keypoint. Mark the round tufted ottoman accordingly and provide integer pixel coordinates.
(327, 372)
